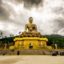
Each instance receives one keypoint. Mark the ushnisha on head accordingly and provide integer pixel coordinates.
(30, 19)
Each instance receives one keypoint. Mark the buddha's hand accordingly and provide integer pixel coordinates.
(25, 31)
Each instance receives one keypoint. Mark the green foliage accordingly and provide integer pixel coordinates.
(56, 39)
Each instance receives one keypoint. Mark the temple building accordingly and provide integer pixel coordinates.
(30, 38)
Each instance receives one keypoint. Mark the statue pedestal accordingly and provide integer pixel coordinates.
(30, 42)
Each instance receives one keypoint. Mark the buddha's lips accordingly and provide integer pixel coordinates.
(49, 17)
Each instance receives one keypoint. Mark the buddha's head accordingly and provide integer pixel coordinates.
(30, 19)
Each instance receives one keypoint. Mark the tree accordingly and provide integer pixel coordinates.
(1, 34)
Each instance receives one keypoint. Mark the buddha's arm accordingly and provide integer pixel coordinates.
(35, 27)
(25, 27)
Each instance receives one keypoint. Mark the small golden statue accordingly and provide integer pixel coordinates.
(30, 29)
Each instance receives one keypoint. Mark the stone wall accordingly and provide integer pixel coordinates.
(28, 52)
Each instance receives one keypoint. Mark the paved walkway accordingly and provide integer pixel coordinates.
(32, 59)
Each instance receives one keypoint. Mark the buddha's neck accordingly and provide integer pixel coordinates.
(30, 23)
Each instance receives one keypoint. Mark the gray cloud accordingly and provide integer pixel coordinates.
(49, 18)
(4, 14)
(59, 22)
(30, 3)
(0, 2)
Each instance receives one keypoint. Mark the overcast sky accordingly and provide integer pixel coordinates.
(48, 15)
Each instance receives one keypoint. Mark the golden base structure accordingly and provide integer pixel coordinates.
(30, 38)
(30, 42)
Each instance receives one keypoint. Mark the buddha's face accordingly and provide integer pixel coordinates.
(30, 20)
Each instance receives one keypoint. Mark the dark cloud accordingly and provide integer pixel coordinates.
(0, 2)
(59, 10)
(30, 3)
(3, 13)
(59, 24)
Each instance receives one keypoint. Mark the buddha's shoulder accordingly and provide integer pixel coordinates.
(26, 24)
(34, 24)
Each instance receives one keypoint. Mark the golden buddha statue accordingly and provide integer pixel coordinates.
(30, 26)
(30, 38)
(30, 29)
